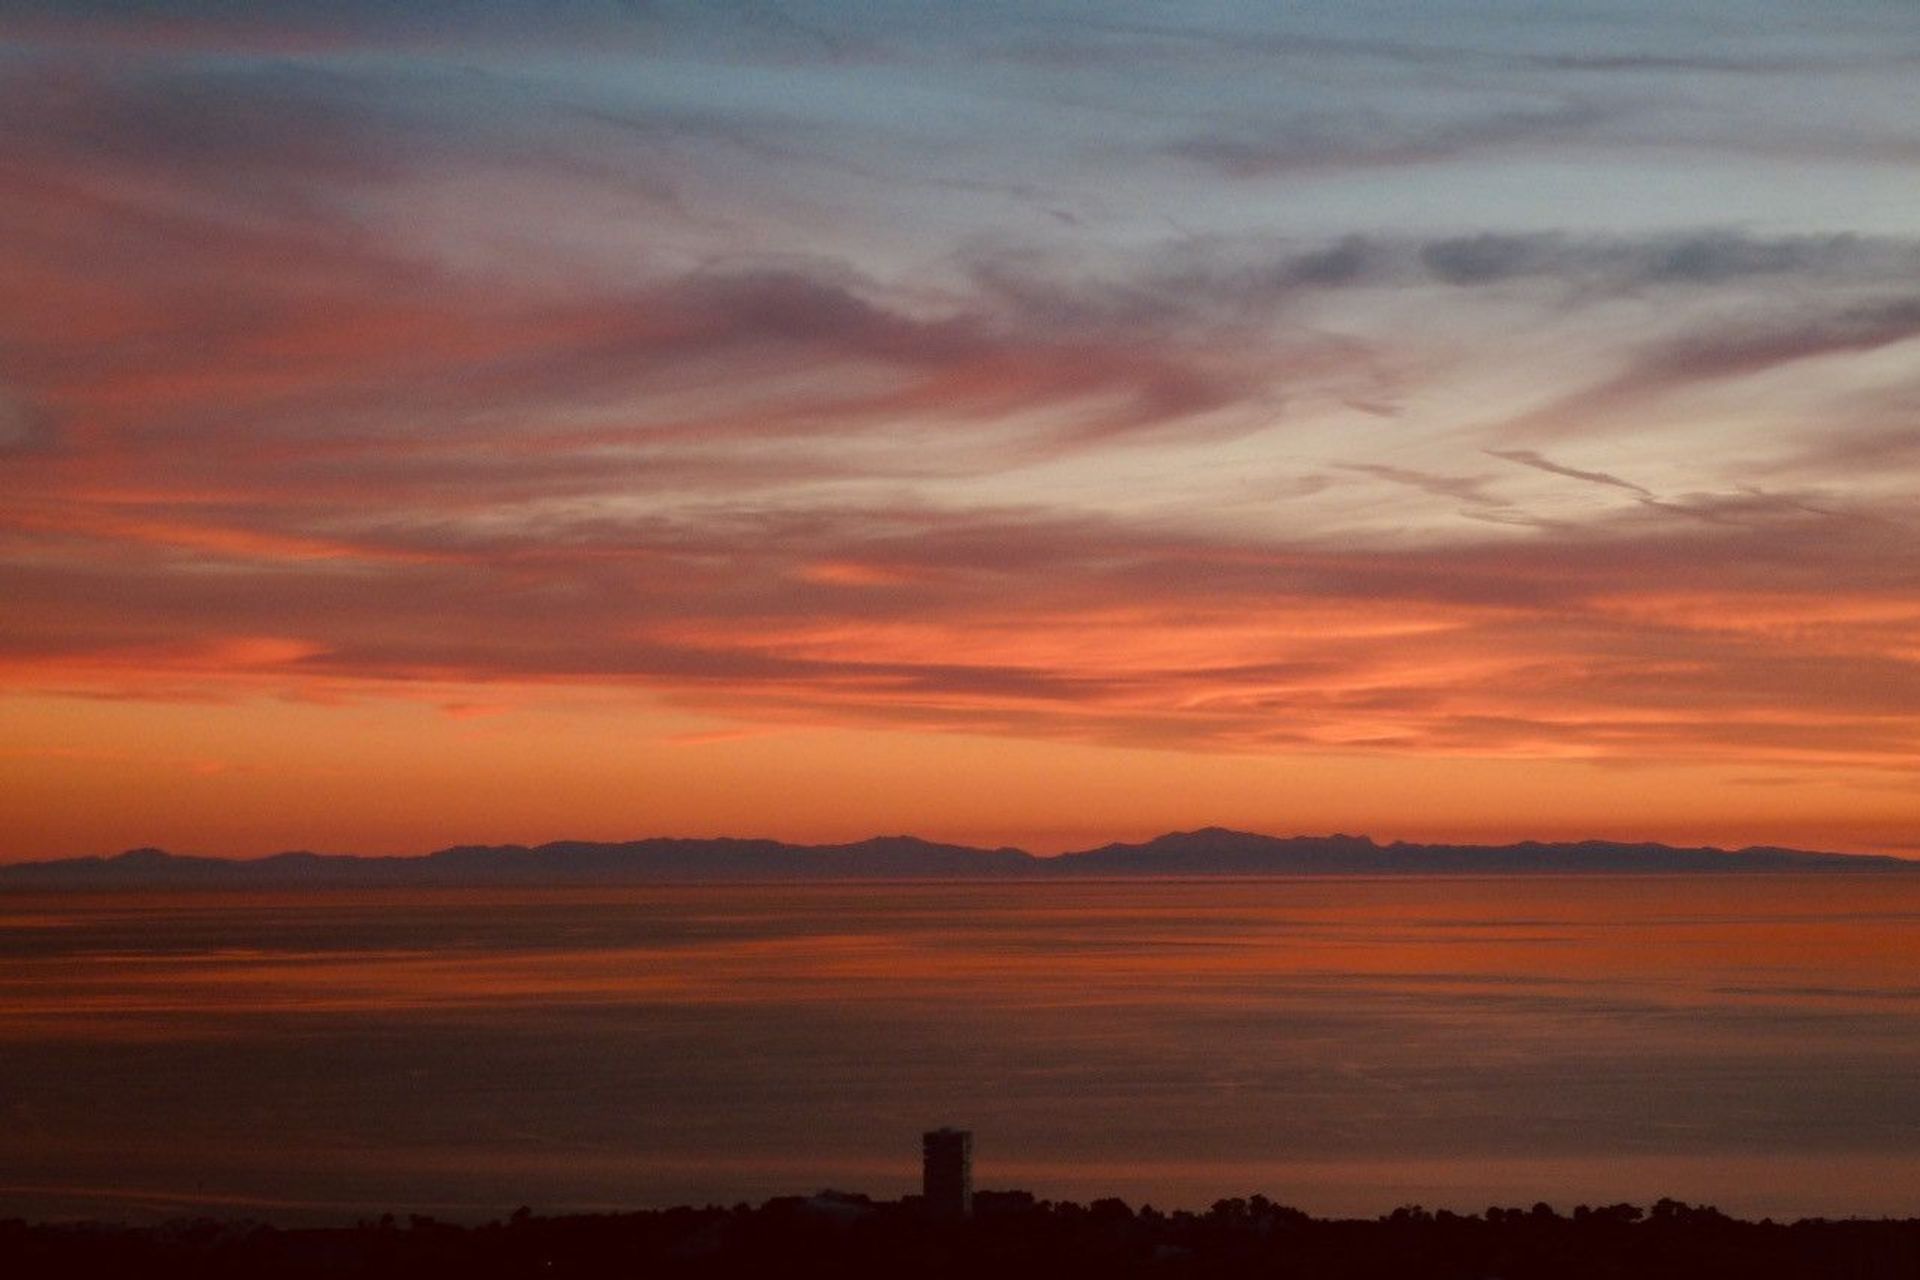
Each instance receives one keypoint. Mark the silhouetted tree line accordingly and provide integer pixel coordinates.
(1011, 1236)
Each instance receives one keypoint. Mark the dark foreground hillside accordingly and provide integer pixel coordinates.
(1011, 1237)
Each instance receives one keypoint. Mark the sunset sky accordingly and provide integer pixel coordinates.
(1012, 423)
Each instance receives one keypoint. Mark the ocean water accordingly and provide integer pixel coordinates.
(1343, 1045)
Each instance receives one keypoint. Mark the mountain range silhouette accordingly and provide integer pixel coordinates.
(1210, 851)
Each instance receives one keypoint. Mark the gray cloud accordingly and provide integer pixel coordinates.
(1217, 279)
(1700, 258)
(1751, 506)
(24, 427)
(1528, 458)
(1891, 447)
(1355, 140)
(1746, 347)
(1729, 348)
(1468, 489)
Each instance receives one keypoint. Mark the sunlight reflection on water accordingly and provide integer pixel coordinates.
(1343, 1045)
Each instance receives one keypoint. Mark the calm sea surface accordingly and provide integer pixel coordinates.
(1342, 1045)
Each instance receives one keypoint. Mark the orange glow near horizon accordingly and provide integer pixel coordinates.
(378, 776)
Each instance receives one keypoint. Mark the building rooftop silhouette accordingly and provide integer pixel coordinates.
(947, 1172)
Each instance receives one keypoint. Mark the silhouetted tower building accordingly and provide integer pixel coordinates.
(947, 1172)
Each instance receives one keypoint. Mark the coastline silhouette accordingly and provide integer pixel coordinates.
(1008, 1236)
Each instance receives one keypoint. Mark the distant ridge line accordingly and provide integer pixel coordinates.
(1209, 851)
